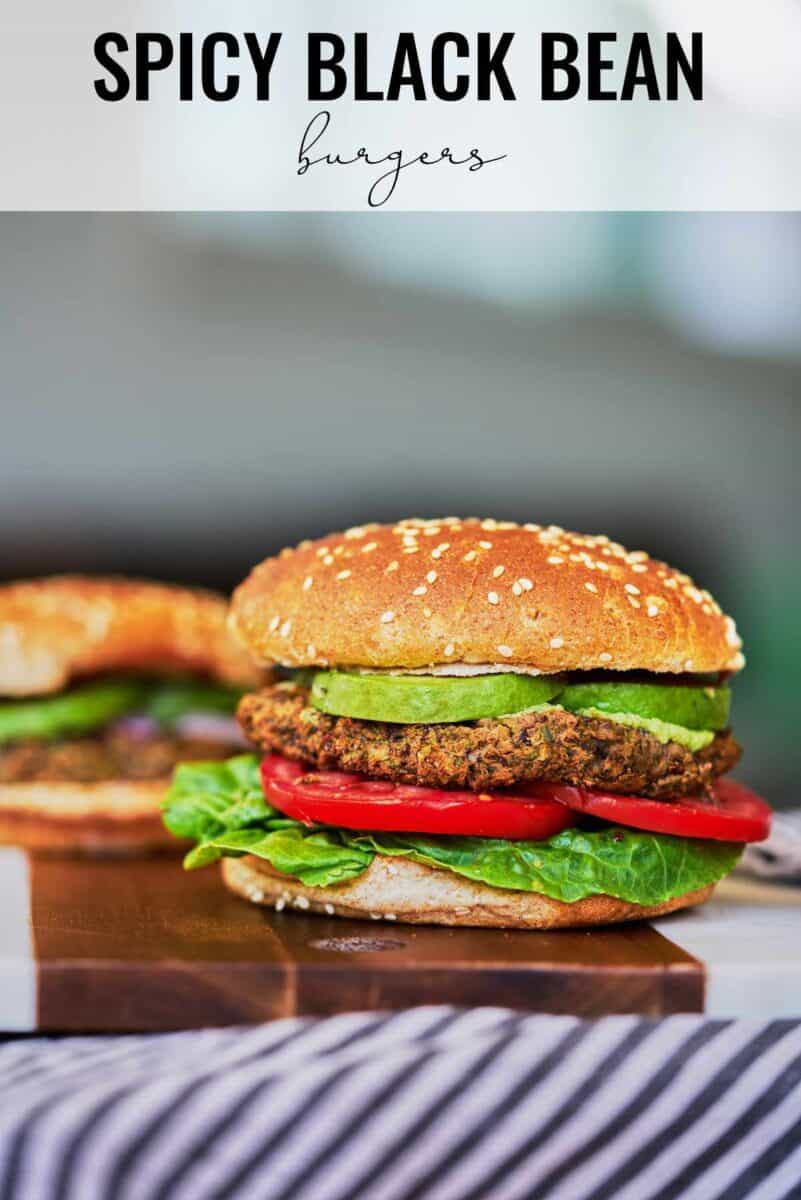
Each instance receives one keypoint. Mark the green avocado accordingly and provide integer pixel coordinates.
(663, 731)
(77, 711)
(429, 699)
(675, 704)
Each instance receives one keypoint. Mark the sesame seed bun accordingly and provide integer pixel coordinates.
(58, 629)
(395, 889)
(451, 594)
(108, 819)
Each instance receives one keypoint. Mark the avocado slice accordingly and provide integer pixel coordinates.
(429, 699)
(689, 705)
(663, 731)
(77, 711)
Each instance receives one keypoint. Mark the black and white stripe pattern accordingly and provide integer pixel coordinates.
(430, 1103)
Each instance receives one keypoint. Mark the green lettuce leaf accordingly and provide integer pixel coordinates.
(317, 857)
(221, 806)
(643, 868)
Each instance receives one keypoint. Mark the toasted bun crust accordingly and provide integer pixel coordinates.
(57, 629)
(444, 593)
(395, 889)
(85, 818)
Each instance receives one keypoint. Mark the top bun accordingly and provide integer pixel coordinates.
(453, 593)
(61, 628)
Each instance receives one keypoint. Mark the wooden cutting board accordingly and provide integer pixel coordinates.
(143, 945)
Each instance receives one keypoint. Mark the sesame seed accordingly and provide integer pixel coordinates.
(410, 550)
(497, 572)
(506, 651)
(343, 574)
(311, 650)
(393, 566)
(285, 628)
(375, 916)
(426, 612)
(450, 650)
(328, 559)
(633, 601)
(555, 560)
(489, 524)
(256, 895)
(390, 917)
(671, 583)
(605, 656)
(329, 908)
(436, 553)
(602, 566)
(420, 591)
(557, 643)
(732, 637)
(639, 568)
(307, 582)
(274, 623)
(280, 904)
(358, 531)
(387, 617)
(431, 531)
(471, 554)
(531, 527)
(443, 546)
(517, 589)
(688, 665)
(493, 597)
(525, 584)
(652, 610)
(301, 902)
(369, 546)
(485, 545)
(432, 576)
(321, 552)
(591, 588)
(632, 590)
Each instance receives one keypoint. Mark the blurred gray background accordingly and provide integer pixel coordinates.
(182, 395)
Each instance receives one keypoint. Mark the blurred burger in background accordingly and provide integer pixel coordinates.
(105, 685)
(484, 724)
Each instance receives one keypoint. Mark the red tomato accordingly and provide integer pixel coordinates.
(732, 814)
(356, 802)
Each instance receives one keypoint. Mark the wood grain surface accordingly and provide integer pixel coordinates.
(143, 945)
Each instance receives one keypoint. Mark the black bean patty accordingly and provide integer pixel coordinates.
(108, 755)
(553, 746)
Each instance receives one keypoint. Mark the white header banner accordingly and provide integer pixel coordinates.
(429, 104)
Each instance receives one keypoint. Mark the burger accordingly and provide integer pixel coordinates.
(478, 723)
(105, 685)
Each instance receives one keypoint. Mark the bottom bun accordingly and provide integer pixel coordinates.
(117, 817)
(396, 889)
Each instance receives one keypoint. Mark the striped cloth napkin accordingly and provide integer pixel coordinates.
(780, 856)
(428, 1104)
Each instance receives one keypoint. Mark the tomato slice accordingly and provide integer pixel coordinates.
(733, 813)
(356, 802)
